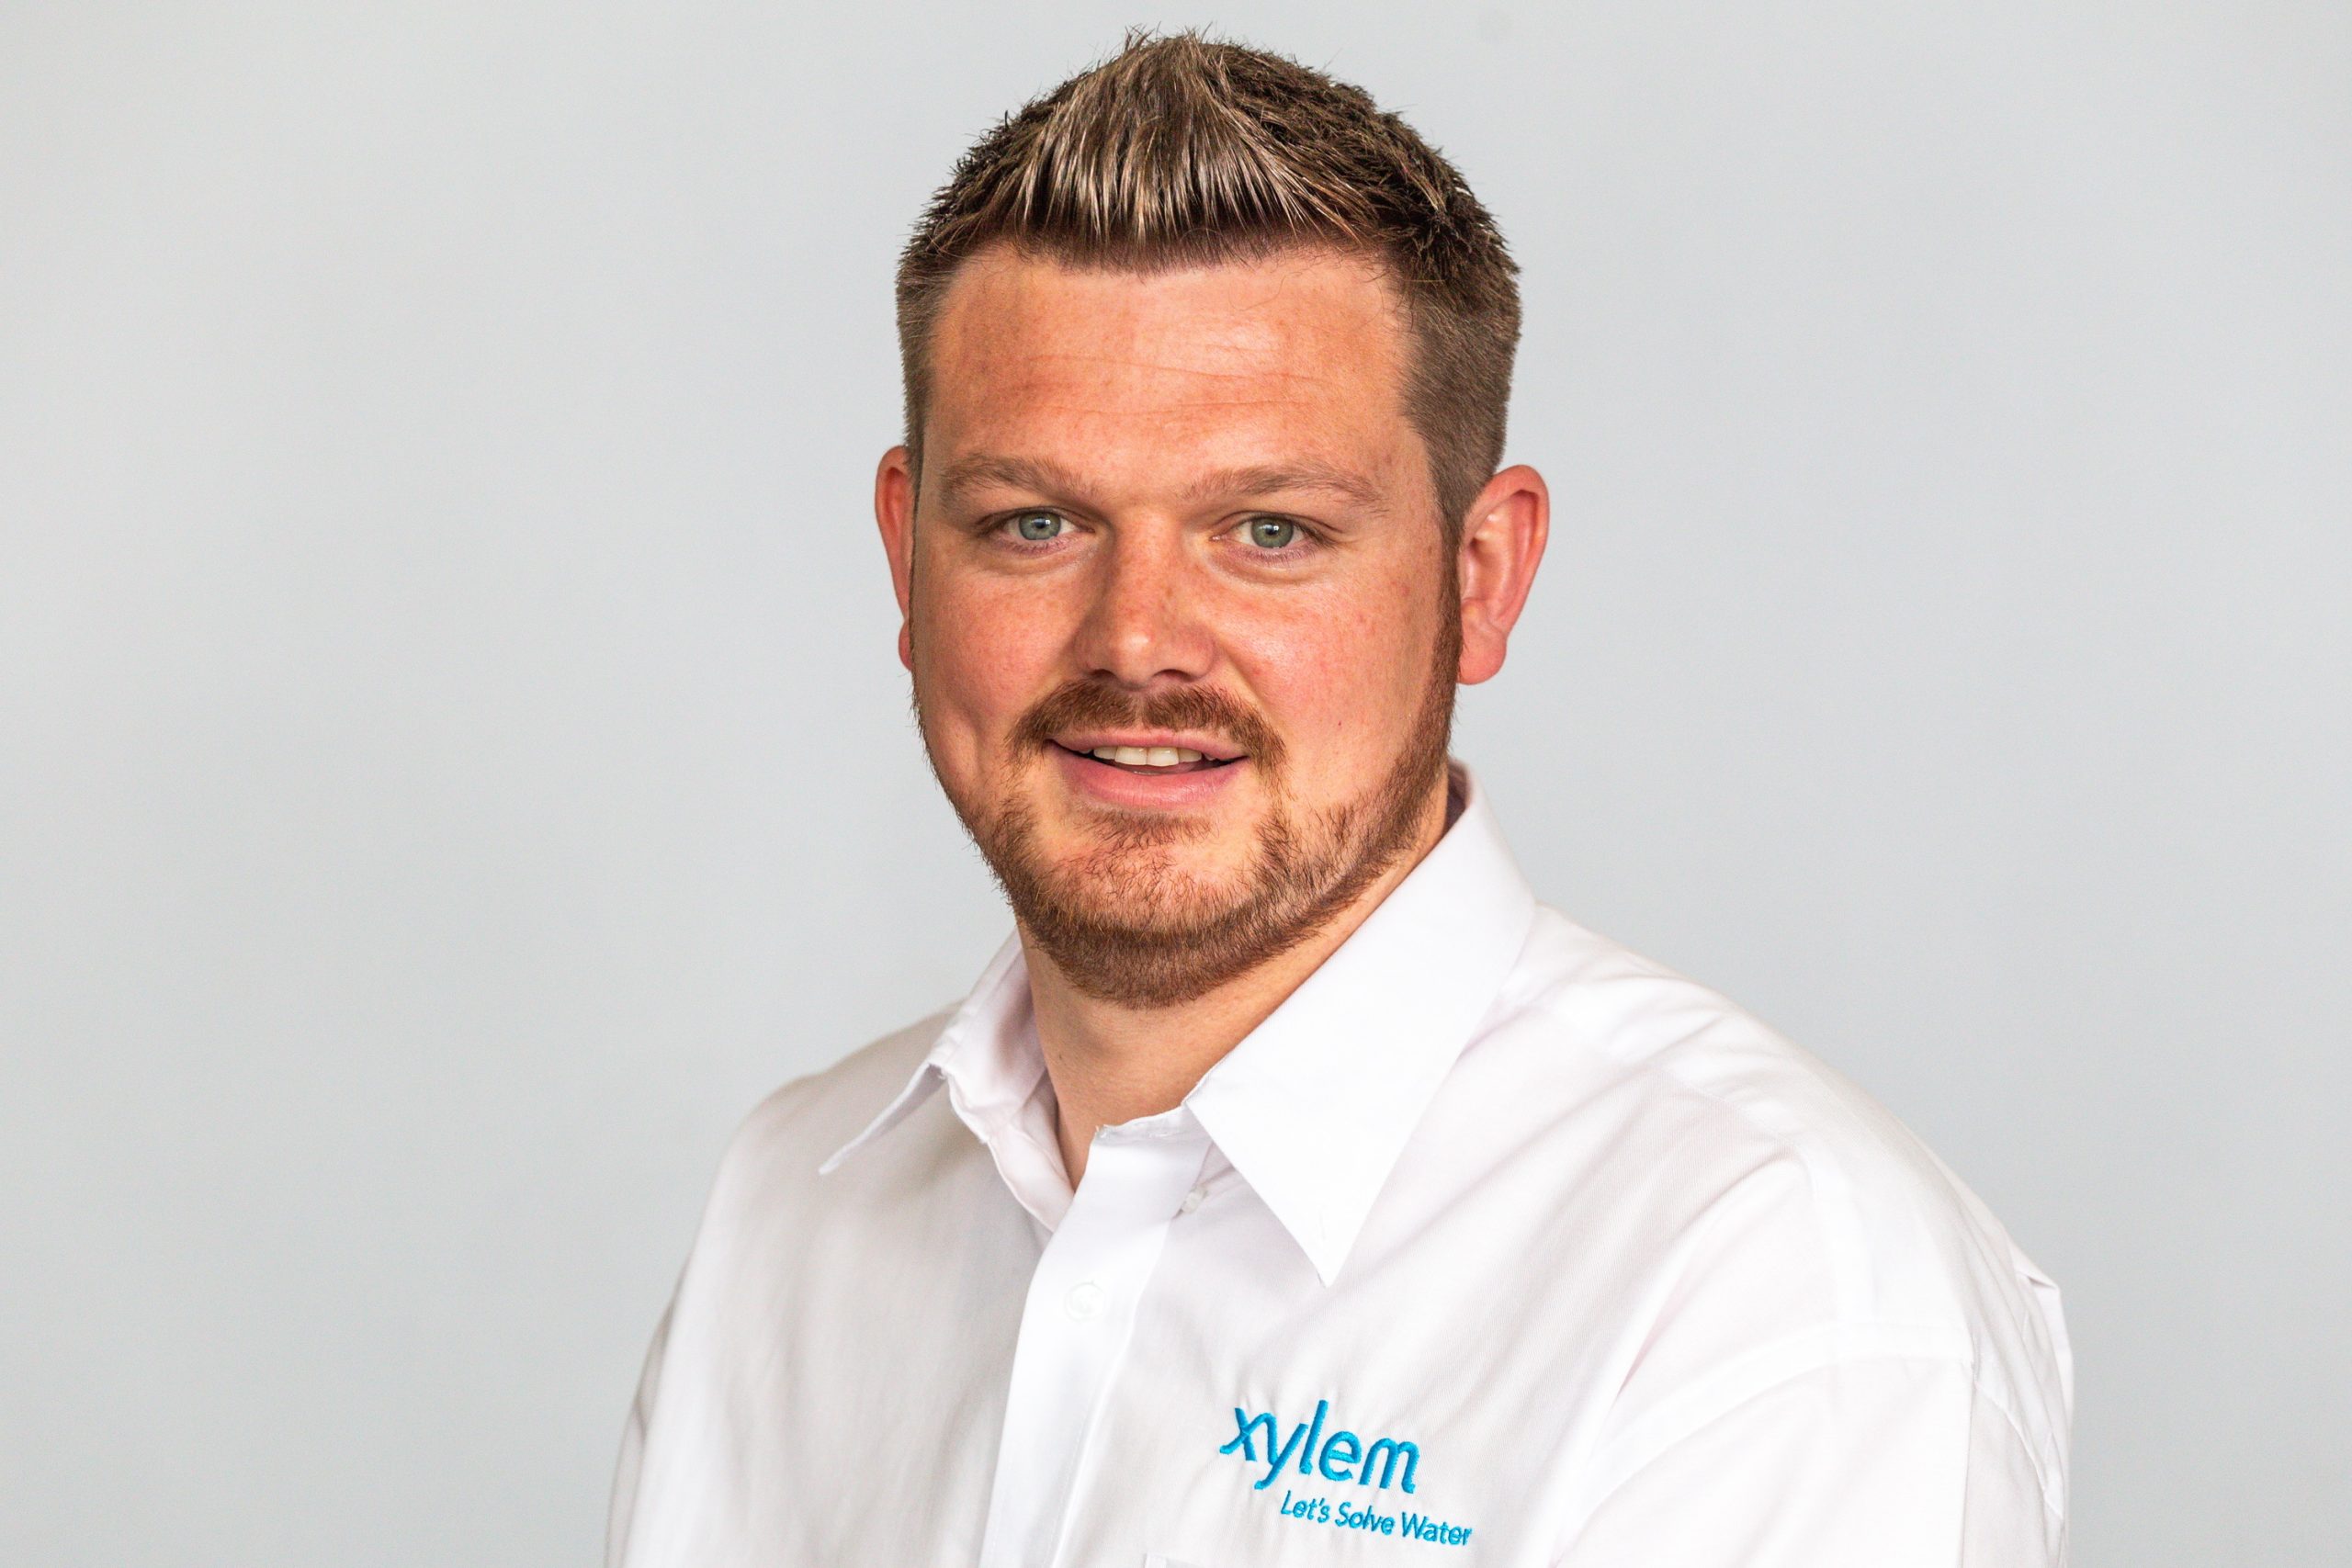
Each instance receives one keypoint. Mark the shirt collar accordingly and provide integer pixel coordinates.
(987, 1055)
(1314, 1106)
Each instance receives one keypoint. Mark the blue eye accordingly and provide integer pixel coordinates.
(1036, 527)
(1273, 533)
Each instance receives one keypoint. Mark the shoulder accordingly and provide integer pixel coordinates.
(1750, 1116)
(1774, 1211)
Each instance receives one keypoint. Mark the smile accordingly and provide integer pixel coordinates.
(1154, 761)
(1145, 785)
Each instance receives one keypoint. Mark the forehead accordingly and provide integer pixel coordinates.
(1300, 352)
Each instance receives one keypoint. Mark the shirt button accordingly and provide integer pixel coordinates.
(1084, 1301)
(1192, 1200)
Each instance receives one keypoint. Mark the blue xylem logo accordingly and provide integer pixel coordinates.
(1343, 1456)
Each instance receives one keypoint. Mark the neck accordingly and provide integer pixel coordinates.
(1111, 1063)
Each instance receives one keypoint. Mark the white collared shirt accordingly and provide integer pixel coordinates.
(1496, 1244)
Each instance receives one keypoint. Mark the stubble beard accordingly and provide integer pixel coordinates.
(1124, 926)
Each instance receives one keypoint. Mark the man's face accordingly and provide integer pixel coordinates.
(1178, 509)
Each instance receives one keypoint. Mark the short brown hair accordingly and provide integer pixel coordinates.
(1183, 152)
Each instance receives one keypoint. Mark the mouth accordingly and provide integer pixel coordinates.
(1140, 760)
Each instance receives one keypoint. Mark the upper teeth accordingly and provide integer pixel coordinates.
(1146, 756)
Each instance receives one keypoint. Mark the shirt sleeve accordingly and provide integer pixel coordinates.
(632, 1455)
(1896, 1462)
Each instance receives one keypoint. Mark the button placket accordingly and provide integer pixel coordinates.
(1074, 1329)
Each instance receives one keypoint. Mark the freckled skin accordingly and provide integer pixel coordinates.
(1138, 383)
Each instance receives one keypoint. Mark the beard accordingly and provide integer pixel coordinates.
(1123, 923)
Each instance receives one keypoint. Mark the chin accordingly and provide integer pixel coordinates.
(1145, 888)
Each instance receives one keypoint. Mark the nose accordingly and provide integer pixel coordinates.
(1142, 624)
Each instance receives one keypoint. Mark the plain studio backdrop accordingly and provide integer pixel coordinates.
(452, 760)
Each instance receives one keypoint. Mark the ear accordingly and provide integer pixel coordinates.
(894, 512)
(1502, 542)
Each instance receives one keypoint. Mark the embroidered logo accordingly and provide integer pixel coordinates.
(1343, 1457)
(1339, 1457)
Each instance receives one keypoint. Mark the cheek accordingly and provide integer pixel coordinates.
(1338, 669)
(983, 657)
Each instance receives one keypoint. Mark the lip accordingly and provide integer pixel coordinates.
(1110, 785)
(1090, 740)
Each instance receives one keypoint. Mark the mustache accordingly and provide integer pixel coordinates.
(1199, 709)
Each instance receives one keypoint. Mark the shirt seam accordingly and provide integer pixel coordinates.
(2055, 1504)
(1661, 1443)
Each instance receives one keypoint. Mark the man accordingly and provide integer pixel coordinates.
(1293, 1186)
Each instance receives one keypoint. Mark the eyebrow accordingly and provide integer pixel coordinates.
(981, 470)
(1305, 474)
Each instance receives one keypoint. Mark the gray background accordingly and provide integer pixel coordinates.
(452, 760)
